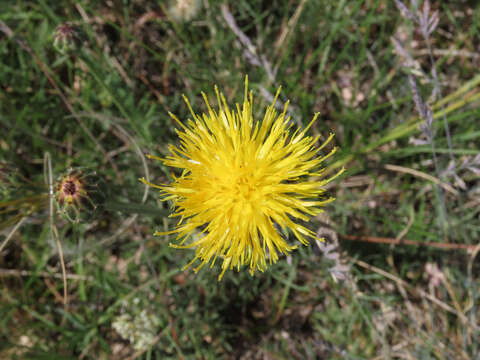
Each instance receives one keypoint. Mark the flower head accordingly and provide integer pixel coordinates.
(241, 182)
(66, 38)
(79, 194)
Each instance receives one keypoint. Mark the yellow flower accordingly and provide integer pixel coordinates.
(242, 181)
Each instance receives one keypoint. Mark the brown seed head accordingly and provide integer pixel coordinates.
(69, 187)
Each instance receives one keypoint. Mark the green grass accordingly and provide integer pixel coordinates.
(106, 104)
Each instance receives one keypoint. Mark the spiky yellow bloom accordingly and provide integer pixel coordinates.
(242, 181)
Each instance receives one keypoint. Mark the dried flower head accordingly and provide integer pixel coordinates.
(242, 181)
(78, 194)
(66, 38)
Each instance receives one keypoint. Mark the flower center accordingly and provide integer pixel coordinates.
(245, 187)
(69, 188)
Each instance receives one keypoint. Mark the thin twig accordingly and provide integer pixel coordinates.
(462, 53)
(422, 293)
(405, 230)
(422, 175)
(16, 272)
(9, 236)
(250, 49)
(49, 181)
(385, 240)
(288, 29)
